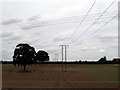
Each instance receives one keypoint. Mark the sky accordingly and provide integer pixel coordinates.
(46, 24)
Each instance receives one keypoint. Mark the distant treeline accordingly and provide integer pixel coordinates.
(114, 61)
(102, 60)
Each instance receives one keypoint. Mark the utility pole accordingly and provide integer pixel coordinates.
(63, 55)
(66, 57)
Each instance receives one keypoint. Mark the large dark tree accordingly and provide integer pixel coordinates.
(24, 55)
(42, 56)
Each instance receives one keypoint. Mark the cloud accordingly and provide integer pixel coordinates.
(36, 30)
(52, 51)
(108, 38)
(114, 46)
(7, 54)
(7, 34)
(10, 36)
(11, 21)
(59, 39)
(29, 27)
(35, 18)
(101, 50)
(62, 37)
(88, 48)
(32, 25)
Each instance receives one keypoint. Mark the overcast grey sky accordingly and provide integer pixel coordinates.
(45, 24)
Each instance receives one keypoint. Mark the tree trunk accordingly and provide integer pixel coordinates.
(24, 67)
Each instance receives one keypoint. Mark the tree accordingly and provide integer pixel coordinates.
(24, 55)
(42, 56)
(116, 60)
(103, 60)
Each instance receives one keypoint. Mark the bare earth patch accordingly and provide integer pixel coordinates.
(51, 76)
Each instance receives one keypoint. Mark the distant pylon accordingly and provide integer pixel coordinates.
(56, 57)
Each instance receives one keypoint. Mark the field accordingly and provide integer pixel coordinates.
(51, 76)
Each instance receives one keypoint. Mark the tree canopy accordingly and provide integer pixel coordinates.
(24, 55)
(42, 56)
(103, 60)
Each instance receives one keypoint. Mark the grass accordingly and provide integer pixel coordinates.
(102, 72)
(6, 65)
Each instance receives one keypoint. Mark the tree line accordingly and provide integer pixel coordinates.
(24, 54)
(114, 61)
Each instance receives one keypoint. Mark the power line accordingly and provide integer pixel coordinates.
(83, 19)
(101, 27)
(12, 29)
(62, 22)
(96, 19)
(75, 17)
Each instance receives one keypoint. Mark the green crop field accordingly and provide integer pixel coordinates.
(51, 76)
(101, 72)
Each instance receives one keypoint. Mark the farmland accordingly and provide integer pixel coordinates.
(51, 76)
